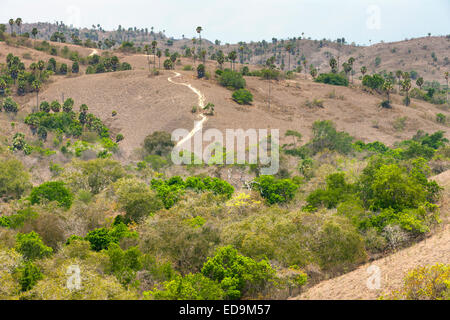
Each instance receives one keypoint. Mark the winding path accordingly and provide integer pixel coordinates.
(201, 103)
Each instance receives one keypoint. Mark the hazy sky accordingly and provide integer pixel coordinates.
(245, 20)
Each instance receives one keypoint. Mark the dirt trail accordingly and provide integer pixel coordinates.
(201, 102)
(353, 285)
(94, 51)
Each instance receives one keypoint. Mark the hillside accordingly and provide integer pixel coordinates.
(90, 181)
(432, 250)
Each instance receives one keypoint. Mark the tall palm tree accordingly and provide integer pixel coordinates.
(154, 45)
(351, 61)
(34, 32)
(159, 54)
(388, 87)
(11, 23)
(147, 51)
(399, 75)
(37, 87)
(193, 49)
(288, 50)
(232, 56)
(241, 50)
(19, 24)
(199, 31)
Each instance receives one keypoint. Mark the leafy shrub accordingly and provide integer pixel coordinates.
(237, 275)
(159, 143)
(431, 282)
(332, 78)
(52, 191)
(232, 79)
(136, 199)
(28, 274)
(14, 179)
(124, 263)
(30, 245)
(9, 105)
(187, 67)
(325, 136)
(276, 190)
(101, 238)
(188, 287)
(374, 82)
(201, 71)
(243, 96)
(336, 191)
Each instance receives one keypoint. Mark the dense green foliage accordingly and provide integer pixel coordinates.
(243, 96)
(232, 79)
(52, 191)
(332, 78)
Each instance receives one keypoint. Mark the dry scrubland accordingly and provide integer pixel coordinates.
(147, 103)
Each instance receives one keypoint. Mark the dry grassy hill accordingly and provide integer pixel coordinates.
(147, 103)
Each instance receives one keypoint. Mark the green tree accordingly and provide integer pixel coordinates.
(34, 32)
(52, 191)
(11, 24)
(30, 245)
(237, 275)
(19, 24)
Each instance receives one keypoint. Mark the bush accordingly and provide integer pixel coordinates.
(14, 179)
(325, 136)
(187, 67)
(237, 275)
(136, 199)
(52, 191)
(430, 282)
(188, 287)
(9, 105)
(336, 191)
(243, 96)
(374, 82)
(159, 143)
(332, 78)
(200, 71)
(30, 245)
(29, 274)
(276, 190)
(232, 80)
(441, 118)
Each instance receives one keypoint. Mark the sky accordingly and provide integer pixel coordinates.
(232, 21)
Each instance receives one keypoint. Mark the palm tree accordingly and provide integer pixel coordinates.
(419, 82)
(351, 60)
(333, 65)
(11, 23)
(34, 32)
(399, 75)
(363, 70)
(159, 54)
(193, 49)
(147, 51)
(288, 50)
(406, 86)
(388, 87)
(19, 24)
(241, 50)
(232, 56)
(154, 45)
(199, 31)
(270, 63)
(36, 85)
